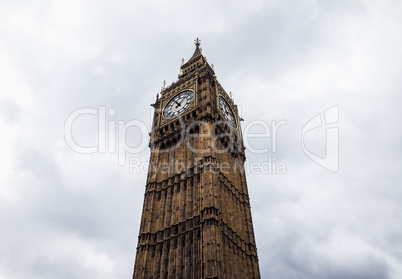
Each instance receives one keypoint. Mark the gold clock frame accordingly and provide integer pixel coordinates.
(164, 120)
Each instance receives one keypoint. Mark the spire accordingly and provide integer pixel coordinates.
(197, 51)
(194, 60)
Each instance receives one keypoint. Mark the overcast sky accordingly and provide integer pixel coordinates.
(68, 215)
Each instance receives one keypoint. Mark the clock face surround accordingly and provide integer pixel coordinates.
(178, 104)
(227, 112)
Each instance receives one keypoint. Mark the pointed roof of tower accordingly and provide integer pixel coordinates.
(197, 53)
(196, 63)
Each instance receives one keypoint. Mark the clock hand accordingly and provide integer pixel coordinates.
(177, 103)
(228, 114)
(181, 102)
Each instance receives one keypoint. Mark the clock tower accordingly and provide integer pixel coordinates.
(196, 218)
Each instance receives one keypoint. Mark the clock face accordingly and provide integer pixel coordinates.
(178, 104)
(227, 112)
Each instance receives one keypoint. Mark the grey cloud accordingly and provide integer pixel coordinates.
(70, 215)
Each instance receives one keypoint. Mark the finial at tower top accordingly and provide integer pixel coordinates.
(197, 42)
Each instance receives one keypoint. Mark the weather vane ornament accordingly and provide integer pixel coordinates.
(197, 42)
